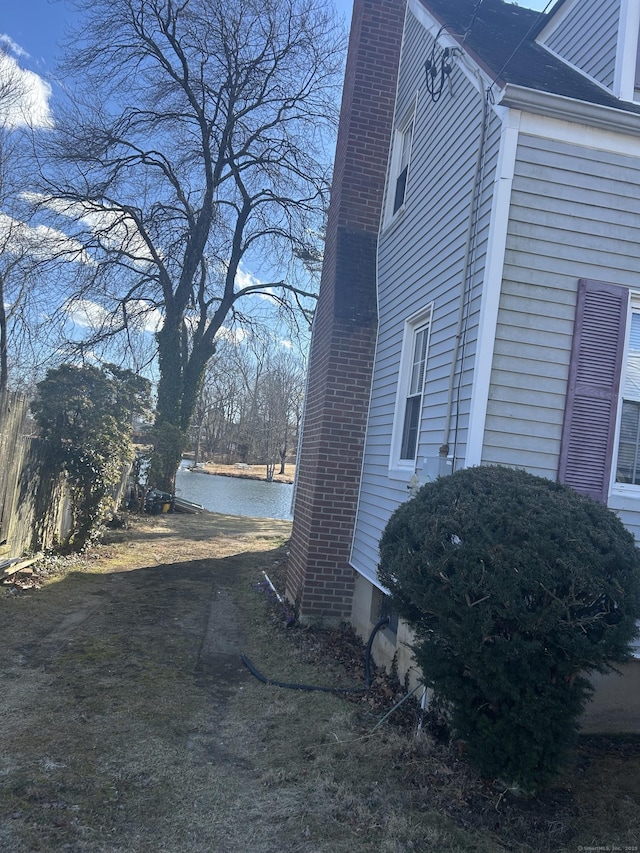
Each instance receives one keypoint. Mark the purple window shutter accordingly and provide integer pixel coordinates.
(594, 381)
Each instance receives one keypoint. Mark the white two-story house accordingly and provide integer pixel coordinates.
(508, 268)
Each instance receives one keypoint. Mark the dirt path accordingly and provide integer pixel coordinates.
(114, 683)
(129, 725)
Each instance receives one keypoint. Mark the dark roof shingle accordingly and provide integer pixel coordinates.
(502, 37)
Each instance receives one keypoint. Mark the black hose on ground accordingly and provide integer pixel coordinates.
(367, 654)
(313, 687)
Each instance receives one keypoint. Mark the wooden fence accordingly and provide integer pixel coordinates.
(34, 510)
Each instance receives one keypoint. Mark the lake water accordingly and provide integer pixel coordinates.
(235, 495)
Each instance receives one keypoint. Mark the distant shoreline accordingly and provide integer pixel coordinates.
(249, 472)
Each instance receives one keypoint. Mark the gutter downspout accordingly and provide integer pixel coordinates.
(474, 206)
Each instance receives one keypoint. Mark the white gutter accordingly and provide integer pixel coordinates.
(570, 109)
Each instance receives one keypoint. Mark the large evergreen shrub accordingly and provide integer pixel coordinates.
(516, 588)
(84, 415)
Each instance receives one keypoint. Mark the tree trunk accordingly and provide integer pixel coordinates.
(169, 438)
(178, 389)
(196, 451)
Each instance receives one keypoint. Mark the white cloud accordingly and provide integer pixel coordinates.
(269, 294)
(116, 230)
(86, 313)
(113, 228)
(151, 318)
(24, 95)
(89, 314)
(233, 336)
(40, 241)
(11, 46)
(244, 278)
(286, 344)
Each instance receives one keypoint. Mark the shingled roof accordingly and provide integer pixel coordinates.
(500, 36)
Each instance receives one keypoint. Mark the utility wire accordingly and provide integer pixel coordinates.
(476, 9)
(523, 40)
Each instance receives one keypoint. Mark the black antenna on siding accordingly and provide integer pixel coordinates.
(438, 68)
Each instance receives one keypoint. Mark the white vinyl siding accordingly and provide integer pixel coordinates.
(575, 213)
(587, 38)
(420, 261)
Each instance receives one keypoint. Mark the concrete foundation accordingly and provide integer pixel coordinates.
(615, 707)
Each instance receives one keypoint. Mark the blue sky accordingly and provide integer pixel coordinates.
(31, 31)
(37, 26)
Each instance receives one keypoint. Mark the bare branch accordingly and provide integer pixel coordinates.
(194, 154)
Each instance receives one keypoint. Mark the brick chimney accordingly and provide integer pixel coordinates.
(319, 578)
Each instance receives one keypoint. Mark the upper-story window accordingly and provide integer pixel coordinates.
(400, 163)
(404, 141)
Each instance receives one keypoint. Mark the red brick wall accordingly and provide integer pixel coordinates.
(319, 578)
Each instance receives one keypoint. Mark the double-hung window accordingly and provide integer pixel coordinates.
(403, 143)
(413, 404)
(400, 163)
(628, 464)
(411, 382)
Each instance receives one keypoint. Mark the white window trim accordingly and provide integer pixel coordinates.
(624, 496)
(403, 469)
(627, 50)
(628, 490)
(399, 133)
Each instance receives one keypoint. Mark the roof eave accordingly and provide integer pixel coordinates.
(569, 109)
(441, 22)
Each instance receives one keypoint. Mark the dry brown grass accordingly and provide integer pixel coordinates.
(128, 724)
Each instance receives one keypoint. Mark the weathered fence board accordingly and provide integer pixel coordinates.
(34, 512)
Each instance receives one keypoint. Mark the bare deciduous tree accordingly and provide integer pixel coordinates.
(221, 403)
(195, 149)
(250, 404)
(280, 394)
(23, 304)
